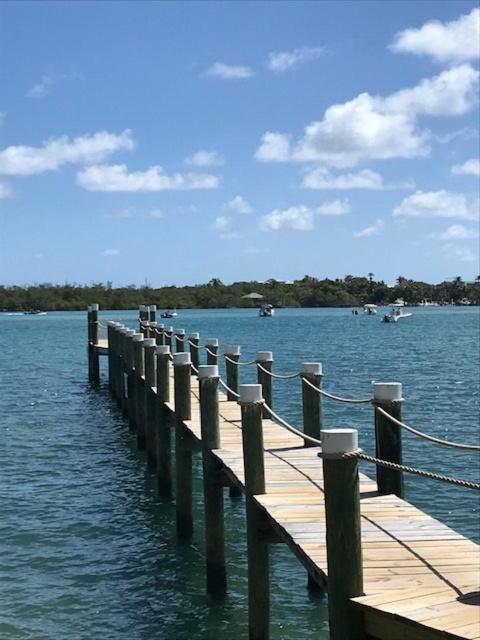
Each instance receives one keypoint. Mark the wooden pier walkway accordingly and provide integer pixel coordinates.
(420, 578)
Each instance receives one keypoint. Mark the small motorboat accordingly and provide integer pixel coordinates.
(34, 312)
(395, 314)
(169, 313)
(370, 309)
(266, 311)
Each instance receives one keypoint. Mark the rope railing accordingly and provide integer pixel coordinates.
(192, 344)
(425, 436)
(279, 376)
(322, 392)
(227, 388)
(290, 428)
(238, 362)
(215, 355)
(419, 472)
(178, 337)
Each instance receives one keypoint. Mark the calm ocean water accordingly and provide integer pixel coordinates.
(86, 548)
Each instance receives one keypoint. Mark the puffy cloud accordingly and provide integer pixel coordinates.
(437, 204)
(204, 159)
(301, 218)
(454, 41)
(456, 232)
(229, 71)
(107, 253)
(374, 230)
(239, 205)
(374, 127)
(118, 178)
(283, 60)
(322, 178)
(469, 167)
(5, 191)
(24, 161)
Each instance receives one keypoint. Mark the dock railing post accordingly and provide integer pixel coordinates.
(212, 487)
(251, 403)
(95, 359)
(89, 340)
(150, 401)
(212, 350)
(168, 335)
(311, 400)
(164, 439)
(232, 356)
(183, 453)
(109, 359)
(160, 334)
(344, 542)
(130, 361)
(194, 344)
(142, 316)
(265, 360)
(152, 313)
(120, 345)
(180, 345)
(127, 350)
(388, 436)
(139, 386)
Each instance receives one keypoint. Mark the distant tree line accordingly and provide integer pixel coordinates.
(351, 291)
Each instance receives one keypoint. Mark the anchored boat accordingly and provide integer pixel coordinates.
(266, 311)
(169, 313)
(395, 314)
(370, 309)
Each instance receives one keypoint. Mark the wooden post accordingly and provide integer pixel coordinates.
(180, 345)
(142, 315)
(164, 445)
(212, 488)
(168, 333)
(139, 386)
(89, 341)
(153, 330)
(150, 401)
(344, 543)
(212, 350)
(110, 359)
(232, 355)
(265, 360)
(312, 401)
(127, 361)
(152, 313)
(194, 341)
(145, 328)
(130, 362)
(183, 453)
(95, 369)
(257, 548)
(120, 346)
(388, 436)
(160, 334)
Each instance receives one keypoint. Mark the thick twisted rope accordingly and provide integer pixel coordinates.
(419, 472)
(333, 397)
(289, 427)
(192, 344)
(227, 388)
(420, 434)
(288, 376)
(194, 369)
(178, 337)
(215, 355)
(238, 363)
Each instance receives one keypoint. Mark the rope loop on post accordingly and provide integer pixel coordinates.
(288, 376)
(425, 436)
(333, 397)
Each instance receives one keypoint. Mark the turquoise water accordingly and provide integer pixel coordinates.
(86, 548)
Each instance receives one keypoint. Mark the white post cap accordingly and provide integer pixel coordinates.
(160, 325)
(111, 323)
(337, 441)
(168, 329)
(250, 393)
(194, 336)
(179, 332)
(233, 350)
(152, 307)
(149, 342)
(142, 307)
(138, 337)
(123, 330)
(264, 356)
(206, 371)
(153, 324)
(312, 367)
(145, 323)
(181, 358)
(95, 307)
(212, 342)
(162, 350)
(387, 391)
(130, 332)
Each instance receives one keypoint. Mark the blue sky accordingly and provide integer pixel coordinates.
(177, 142)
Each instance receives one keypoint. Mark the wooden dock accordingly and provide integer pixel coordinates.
(420, 578)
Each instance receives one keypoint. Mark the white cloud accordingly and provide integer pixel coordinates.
(374, 127)
(229, 71)
(281, 61)
(456, 232)
(469, 167)
(24, 161)
(239, 205)
(222, 223)
(204, 159)
(42, 88)
(110, 252)
(118, 178)
(459, 253)
(301, 218)
(437, 204)
(5, 191)
(374, 230)
(455, 41)
(322, 178)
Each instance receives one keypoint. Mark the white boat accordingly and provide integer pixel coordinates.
(266, 311)
(428, 302)
(169, 313)
(395, 314)
(370, 309)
